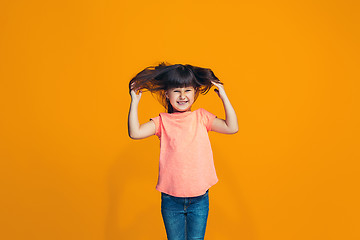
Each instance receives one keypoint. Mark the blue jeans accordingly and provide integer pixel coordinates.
(185, 217)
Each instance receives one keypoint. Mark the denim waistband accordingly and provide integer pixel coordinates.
(207, 191)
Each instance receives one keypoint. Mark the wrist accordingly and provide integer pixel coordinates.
(134, 102)
(223, 96)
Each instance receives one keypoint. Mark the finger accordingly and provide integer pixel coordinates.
(132, 85)
(215, 84)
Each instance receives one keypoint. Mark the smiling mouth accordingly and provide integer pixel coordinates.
(182, 102)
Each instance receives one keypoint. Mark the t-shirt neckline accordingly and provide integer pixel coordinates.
(181, 113)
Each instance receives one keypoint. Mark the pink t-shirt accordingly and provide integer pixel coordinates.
(186, 166)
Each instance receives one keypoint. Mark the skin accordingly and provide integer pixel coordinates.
(181, 95)
(229, 125)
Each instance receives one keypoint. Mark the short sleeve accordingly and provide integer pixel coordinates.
(156, 120)
(207, 118)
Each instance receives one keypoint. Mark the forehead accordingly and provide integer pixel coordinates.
(182, 88)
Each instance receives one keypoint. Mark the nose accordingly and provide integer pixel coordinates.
(182, 95)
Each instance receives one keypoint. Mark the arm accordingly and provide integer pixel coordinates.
(230, 124)
(135, 130)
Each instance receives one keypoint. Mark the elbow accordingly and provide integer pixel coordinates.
(235, 130)
(132, 136)
(232, 129)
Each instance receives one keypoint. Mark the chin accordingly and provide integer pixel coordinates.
(182, 110)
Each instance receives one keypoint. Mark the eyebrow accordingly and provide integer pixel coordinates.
(187, 88)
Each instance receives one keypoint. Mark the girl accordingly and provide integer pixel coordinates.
(186, 166)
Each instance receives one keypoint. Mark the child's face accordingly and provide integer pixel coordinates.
(181, 98)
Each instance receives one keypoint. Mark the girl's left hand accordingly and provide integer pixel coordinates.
(220, 89)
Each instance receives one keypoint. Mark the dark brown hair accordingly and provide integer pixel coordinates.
(160, 78)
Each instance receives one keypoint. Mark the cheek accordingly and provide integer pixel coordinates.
(192, 96)
(173, 98)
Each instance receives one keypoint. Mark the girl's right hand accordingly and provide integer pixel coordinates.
(134, 96)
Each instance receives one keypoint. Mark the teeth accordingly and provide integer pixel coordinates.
(182, 103)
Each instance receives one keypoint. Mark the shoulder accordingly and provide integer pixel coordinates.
(164, 114)
(156, 121)
(200, 111)
(206, 117)
(204, 112)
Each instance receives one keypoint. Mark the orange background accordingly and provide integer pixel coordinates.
(290, 68)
